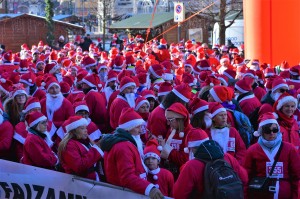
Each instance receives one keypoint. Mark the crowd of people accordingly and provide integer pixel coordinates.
(150, 115)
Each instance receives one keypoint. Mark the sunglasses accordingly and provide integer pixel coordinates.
(171, 119)
(269, 131)
(283, 90)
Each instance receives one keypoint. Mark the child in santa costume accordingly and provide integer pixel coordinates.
(260, 157)
(76, 152)
(161, 178)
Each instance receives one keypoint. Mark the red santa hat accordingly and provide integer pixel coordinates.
(189, 79)
(195, 137)
(283, 99)
(5, 85)
(279, 82)
(178, 110)
(244, 85)
(212, 80)
(156, 70)
(49, 82)
(126, 82)
(203, 65)
(163, 41)
(215, 108)
(74, 122)
(92, 81)
(111, 76)
(250, 73)
(64, 87)
(16, 60)
(148, 94)
(224, 79)
(151, 150)
(183, 91)
(284, 66)
(8, 56)
(115, 36)
(31, 103)
(129, 119)
(87, 61)
(264, 119)
(221, 93)
(269, 72)
(34, 118)
(143, 77)
(229, 73)
(168, 75)
(41, 43)
(53, 57)
(198, 105)
(51, 68)
(18, 90)
(295, 70)
(81, 106)
(164, 88)
(139, 101)
(24, 65)
(28, 78)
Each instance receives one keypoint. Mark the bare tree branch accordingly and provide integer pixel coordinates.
(238, 14)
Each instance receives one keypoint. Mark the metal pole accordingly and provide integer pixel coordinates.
(179, 32)
(82, 12)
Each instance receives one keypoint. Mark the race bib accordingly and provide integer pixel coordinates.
(278, 170)
(231, 144)
(176, 144)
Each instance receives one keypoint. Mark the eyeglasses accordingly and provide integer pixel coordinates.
(171, 119)
(269, 131)
(282, 90)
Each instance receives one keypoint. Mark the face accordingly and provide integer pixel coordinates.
(152, 104)
(83, 114)
(34, 109)
(225, 63)
(73, 72)
(151, 163)
(220, 119)
(172, 121)
(210, 98)
(54, 90)
(129, 89)
(144, 108)
(85, 86)
(288, 109)
(81, 132)
(187, 69)
(136, 130)
(21, 99)
(112, 84)
(42, 126)
(40, 66)
(271, 134)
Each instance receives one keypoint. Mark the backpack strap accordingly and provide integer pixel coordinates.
(276, 159)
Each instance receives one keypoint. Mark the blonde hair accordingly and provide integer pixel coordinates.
(180, 122)
(63, 144)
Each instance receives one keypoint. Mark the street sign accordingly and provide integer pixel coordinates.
(179, 14)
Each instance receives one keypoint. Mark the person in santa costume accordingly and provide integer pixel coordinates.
(157, 123)
(156, 72)
(55, 106)
(245, 96)
(126, 98)
(28, 81)
(110, 85)
(285, 108)
(37, 151)
(162, 178)
(77, 153)
(126, 147)
(6, 86)
(95, 101)
(190, 184)
(228, 137)
(260, 157)
(54, 68)
(6, 137)
(201, 117)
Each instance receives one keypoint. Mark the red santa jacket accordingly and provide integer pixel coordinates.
(96, 103)
(248, 104)
(235, 144)
(157, 122)
(128, 171)
(80, 160)
(290, 134)
(75, 95)
(6, 136)
(38, 153)
(190, 183)
(259, 92)
(288, 168)
(93, 131)
(162, 179)
(61, 114)
(115, 110)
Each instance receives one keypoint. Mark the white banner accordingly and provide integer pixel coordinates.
(23, 181)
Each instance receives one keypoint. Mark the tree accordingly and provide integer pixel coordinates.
(218, 13)
(49, 15)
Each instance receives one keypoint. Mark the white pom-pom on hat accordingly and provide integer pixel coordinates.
(186, 150)
(3, 80)
(43, 84)
(230, 102)
(29, 80)
(160, 148)
(275, 115)
(211, 84)
(99, 85)
(155, 177)
(256, 134)
(181, 134)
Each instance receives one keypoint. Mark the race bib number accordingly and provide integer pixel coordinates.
(176, 144)
(231, 144)
(278, 170)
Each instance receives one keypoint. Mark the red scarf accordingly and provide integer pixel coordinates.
(285, 121)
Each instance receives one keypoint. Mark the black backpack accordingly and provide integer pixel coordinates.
(221, 181)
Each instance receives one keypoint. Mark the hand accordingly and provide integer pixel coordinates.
(161, 141)
(155, 194)
(167, 148)
(151, 136)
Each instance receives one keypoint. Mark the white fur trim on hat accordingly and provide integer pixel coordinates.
(202, 108)
(163, 93)
(140, 104)
(285, 100)
(111, 79)
(88, 83)
(19, 92)
(189, 65)
(154, 73)
(37, 121)
(32, 106)
(26, 82)
(240, 89)
(279, 86)
(168, 76)
(52, 84)
(57, 66)
(214, 95)
(180, 95)
(294, 73)
(151, 154)
(82, 107)
(76, 124)
(131, 124)
(127, 85)
(2, 89)
(196, 143)
(217, 111)
(150, 95)
(268, 121)
(92, 64)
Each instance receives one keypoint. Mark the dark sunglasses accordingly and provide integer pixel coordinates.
(282, 90)
(269, 131)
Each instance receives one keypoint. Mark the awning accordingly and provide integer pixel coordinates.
(142, 21)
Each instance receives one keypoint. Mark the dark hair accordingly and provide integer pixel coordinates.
(170, 99)
(160, 98)
(197, 120)
(155, 102)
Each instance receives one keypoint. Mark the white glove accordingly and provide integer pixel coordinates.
(167, 148)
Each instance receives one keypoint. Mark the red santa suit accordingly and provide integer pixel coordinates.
(80, 159)
(162, 179)
(190, 183)
(248, 103)
(97, 107)
(6, 137)
(75, 95)
(115, 110)
(230, 140)
(57, 110)
(288, 163)
(93, 131)
(290, 132)
(259, 92)
(157, 122)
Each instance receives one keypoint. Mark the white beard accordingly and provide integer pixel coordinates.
(59, 77)
(139, 144)
(1, 118)
(53, 104)
(275, 96)
(208, 121)
(108, 91)
(130, 97)
(221, 136)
